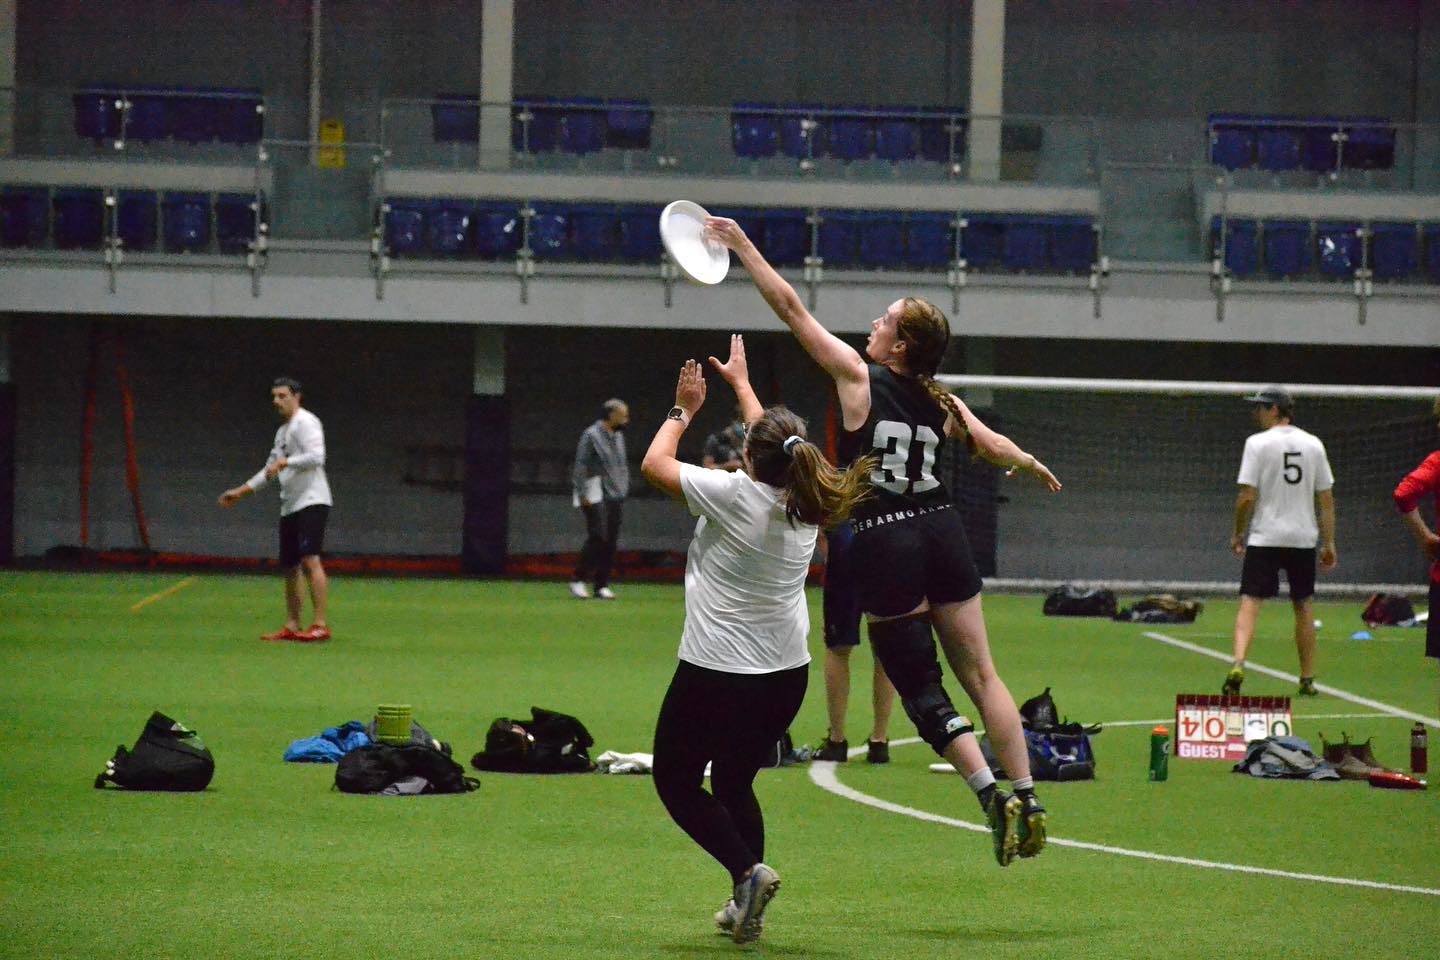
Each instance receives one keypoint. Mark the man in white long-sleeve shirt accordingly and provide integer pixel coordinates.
(298, 461)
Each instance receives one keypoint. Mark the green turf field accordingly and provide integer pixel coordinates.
(270, 862)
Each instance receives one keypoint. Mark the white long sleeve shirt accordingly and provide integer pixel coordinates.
(300, 441)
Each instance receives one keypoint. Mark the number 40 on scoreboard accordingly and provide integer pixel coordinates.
(1210, 727)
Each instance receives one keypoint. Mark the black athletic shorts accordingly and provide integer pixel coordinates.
(912, 555)
(1432, 626)
(1260, 574)
(302, 534)
(841, 602)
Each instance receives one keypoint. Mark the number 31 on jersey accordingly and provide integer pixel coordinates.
(894, 439)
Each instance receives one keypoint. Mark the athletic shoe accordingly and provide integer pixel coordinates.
(1307, 688)
(284, 633)
(1032, 826)
(727, 916)
(1233, 679)
(836, 750)
(1365, 755)
(1352, 767)
(878, 752)
(605, 593)
(318, 633)
(752, 896)
(1003, 815)
(578, 590)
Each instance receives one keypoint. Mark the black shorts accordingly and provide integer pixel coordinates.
(912, 555)
(1260, 574)
(841, 602)
(302, 534)
(1432, 626)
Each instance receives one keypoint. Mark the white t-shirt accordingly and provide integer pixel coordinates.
(301, 441)
(745, 572)
(1288, 467)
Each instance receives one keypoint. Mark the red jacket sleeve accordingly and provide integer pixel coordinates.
(1420, 481)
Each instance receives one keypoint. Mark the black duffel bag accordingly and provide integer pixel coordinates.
(1073, 601)
(168, 756)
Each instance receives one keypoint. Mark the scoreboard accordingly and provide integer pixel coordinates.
(1214, 727)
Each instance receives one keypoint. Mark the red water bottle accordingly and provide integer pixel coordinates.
(1419, 741)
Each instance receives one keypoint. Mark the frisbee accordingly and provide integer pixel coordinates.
(682, 225)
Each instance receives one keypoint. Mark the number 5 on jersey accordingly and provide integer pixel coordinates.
(893, 474)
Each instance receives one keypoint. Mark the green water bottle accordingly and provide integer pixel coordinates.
(1159, 754)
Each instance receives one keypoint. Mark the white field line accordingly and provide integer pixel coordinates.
(162, 594)
(822, 774)
(1282, 675)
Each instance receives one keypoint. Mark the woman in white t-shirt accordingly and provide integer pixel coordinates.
(743, 655)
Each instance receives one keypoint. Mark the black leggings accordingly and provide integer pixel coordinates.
(602, 533)
(728, 720)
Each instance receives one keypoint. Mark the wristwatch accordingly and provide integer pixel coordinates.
(678, 413)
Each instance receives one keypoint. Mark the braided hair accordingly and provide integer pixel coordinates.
(925, 331)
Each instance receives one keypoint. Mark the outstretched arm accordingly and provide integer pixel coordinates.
(736, 372)
(660, 466)
(996, 448)
(838, 358)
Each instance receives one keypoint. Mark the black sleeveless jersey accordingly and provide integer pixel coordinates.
(906, 430)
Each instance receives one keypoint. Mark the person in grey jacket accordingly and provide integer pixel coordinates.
(602, 479)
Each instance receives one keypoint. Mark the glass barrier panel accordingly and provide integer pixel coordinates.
(321, 191)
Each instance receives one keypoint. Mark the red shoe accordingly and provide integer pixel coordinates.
(284, 633)
(318, 633)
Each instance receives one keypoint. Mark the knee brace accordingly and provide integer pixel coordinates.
(907, 652)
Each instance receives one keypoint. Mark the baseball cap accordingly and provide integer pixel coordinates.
(1274, 394)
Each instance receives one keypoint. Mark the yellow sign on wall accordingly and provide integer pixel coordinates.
(331, 131)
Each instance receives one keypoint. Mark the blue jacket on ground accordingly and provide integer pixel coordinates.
(332, 744)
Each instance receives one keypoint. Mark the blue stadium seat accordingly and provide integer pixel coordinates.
(447, 227)
(241, 115)
(79, 218)
(594, 232)
(929, 239)
(935, 135)
(455, 118)
(794, 141)
(1242, 246)
(193, 115)
(1371, 145)
(640, 233)
(149, 114)
(1278, 147)
(24, 216)
(897, 133)
(628, 124)
(236, 218)
(1232, 141)
(882, 238)
(1394, 250)
(839, 240)
(982, 240)
(187, 222)
(405, 227)
(550, 232)
(1024, 246)
(851, 135)
(582, 125)
(1322, 151)
(96, 115)
(541, 134)
(137, 217)
(787, 237)
(1339, 249)
(1072, 244)
(1287, 248)
(753, 132)
(1431, 232)
(497, 229)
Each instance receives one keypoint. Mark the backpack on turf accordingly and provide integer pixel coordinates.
(1388, 609)
(168, 756)
(406, 769)
(1072, 601)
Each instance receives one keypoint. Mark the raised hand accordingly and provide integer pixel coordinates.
(725, 232)
(734, 370)
(690, 388)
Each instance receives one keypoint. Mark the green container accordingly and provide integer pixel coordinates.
(392, 723)
(1159, 754)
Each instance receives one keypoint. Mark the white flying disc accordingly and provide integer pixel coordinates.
(682, 226)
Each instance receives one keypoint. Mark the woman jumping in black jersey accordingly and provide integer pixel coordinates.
(912, 563)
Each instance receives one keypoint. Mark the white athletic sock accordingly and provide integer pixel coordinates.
(1023, 783)
(980, 779)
